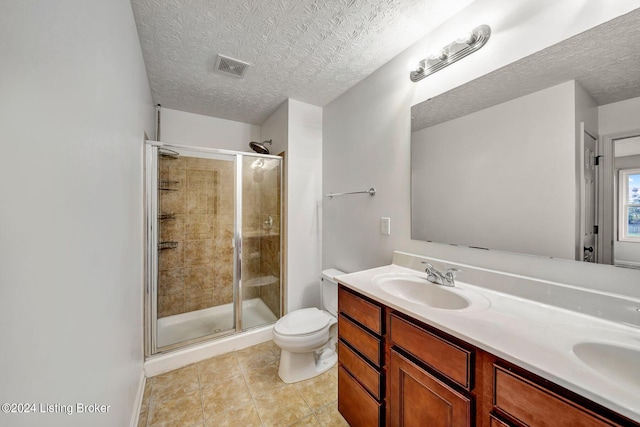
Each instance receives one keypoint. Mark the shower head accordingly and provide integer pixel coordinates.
(259, 147)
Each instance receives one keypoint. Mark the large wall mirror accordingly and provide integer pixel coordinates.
(525, 160)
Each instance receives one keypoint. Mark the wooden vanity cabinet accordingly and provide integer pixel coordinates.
(396, 371)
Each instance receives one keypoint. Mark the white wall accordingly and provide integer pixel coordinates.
(490, 189)
(182, 128)
(367, 134)
(623, 116)
(276, 129)
(304, 205)
(296, 128)
(74, 106)
(586, 112)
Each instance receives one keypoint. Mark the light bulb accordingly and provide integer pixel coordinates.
(468, 38)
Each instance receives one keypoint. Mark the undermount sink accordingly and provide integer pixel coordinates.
(417, 289)
(620, 364)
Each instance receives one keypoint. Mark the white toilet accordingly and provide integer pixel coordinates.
(307, 337)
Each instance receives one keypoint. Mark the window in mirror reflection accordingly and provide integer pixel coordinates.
(629, 229)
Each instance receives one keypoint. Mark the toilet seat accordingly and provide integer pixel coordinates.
(302, 322)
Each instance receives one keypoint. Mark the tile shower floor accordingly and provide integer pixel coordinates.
(240, 389)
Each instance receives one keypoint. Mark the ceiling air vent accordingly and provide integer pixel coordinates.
(230, 66)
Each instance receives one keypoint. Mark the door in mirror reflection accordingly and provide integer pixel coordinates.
(589, 205)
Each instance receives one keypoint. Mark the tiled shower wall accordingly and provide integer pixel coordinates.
(198, 272)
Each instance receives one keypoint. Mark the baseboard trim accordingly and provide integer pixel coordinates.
(135, 417)
(627, 264)
(156, 365)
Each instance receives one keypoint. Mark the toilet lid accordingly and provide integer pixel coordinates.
(301, 322)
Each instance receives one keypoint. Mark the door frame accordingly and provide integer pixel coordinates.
(580, 206)
(608, 196)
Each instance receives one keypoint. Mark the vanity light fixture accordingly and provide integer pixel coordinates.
(452, 52)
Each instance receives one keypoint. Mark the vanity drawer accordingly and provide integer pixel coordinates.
(362, 311)
(494, 422)
(444, 356)
(360, 339)
(532, 404)
(368, 376)
(355, 404)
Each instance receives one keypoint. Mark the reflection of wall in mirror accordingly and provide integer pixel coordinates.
(503, 177)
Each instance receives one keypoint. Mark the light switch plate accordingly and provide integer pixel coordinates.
(385, 225)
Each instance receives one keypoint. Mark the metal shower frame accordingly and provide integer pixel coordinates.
(151, 242)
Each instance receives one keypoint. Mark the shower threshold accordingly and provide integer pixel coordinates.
(211, 321)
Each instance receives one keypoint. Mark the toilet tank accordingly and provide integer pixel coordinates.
(329, 290)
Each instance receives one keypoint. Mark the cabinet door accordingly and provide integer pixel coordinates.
(418, 399)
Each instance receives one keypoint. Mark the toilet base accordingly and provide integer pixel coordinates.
(296, 367)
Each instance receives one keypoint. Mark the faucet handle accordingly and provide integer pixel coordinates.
(451, 274)
(430, 266)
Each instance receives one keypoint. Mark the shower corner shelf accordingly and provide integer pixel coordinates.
(166, 217)
(167, 245)
(260, 233)
(168, 185)
(169, 154)
(261, 281)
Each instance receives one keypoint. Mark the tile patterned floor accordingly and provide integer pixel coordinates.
(240, 389)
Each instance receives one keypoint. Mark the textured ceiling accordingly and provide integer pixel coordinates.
(308, 50)
(604, 60)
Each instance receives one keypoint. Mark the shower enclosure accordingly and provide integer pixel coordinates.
(213, 243)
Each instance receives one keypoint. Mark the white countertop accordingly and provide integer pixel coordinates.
(538, 337)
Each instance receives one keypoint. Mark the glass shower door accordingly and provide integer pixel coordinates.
(213, 243)
(261, 210)
(195, 231)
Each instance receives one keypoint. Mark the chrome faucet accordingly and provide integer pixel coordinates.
(444, 279)
(268, 224)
